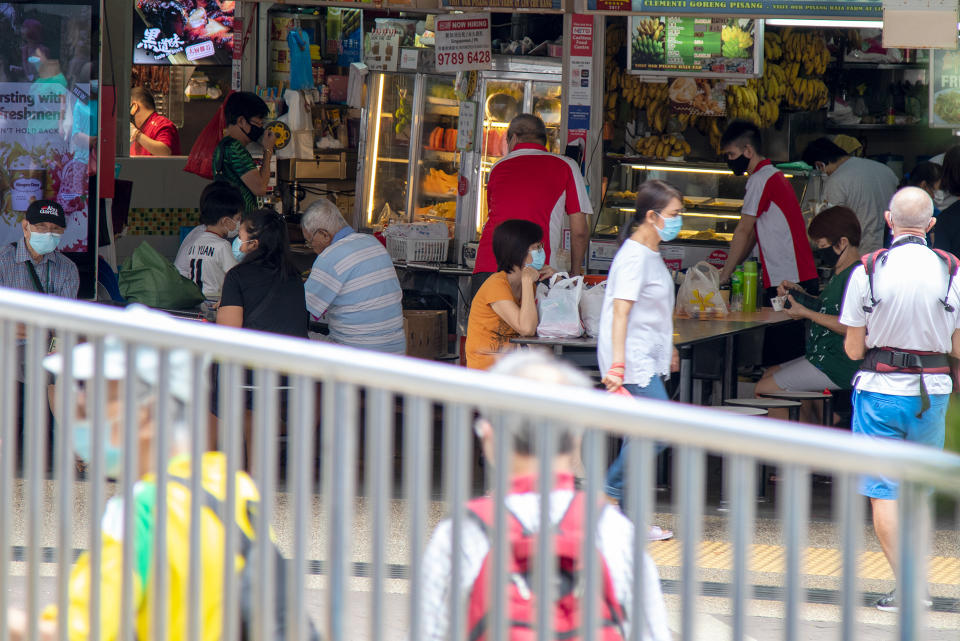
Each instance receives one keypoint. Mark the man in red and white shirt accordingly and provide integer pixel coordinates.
(531, 183)
(150, 133)
(770, 217)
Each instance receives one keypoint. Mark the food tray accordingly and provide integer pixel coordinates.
(418, 250)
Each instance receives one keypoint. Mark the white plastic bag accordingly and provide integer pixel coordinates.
(591, 305)
(699, 295)
(560, 310)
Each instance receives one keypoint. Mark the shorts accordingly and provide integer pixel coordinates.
(800, 375)
(895, 417)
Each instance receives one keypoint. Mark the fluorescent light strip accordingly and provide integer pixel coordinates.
(801, 22)
(686, 214)
(683, 170)
(376, 150)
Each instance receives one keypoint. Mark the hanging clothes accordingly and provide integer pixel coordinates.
(301, 70)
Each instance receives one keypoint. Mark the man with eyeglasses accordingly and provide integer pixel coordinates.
(245, 113)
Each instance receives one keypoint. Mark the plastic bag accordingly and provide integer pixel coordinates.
(699, 295)
(560, 309)
(149, 278)
(591, 305)
(200, 161)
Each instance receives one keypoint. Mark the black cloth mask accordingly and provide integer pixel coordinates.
(827, 256)
(738, 165)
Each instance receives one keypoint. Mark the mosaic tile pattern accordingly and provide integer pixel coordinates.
(160, 221)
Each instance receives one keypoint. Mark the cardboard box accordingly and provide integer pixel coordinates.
(426, 332)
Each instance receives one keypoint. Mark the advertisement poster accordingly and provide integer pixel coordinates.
(384, 50)
(48, 115)
(463, 42)
(345, 35)
(578, 96)
(945, 89)
(849, 9)
(183, 32)
(698, 96)
(695, 46)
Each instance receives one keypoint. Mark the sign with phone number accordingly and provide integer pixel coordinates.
(463, 42)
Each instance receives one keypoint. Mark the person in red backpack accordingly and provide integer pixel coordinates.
(902, 313)
(615, 542)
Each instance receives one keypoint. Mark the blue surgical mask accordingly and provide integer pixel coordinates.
(83, 447)
(671, 227)
(539, 258)
(236, 249)
(34, 60)
(44, 242)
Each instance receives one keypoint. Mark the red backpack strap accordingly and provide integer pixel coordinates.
(869, 262)
(953, 265)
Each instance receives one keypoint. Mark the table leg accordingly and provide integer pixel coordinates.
(686, 373)
(729, 387)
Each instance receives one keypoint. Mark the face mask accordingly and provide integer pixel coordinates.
(83, 446)
(44, 243)
(939, 196)
(255, 132)
(539, 258)
(235, 248)
(827, 256)
(233, 232)
(671, 227)
(34, 60)
(738, 165)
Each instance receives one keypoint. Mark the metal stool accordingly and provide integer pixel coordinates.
(745, 411)
(792, 407)
(826, 397)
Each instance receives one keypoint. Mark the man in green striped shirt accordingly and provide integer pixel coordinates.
(245, 113)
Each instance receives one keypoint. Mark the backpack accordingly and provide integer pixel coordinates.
(247, 594)
(870, 261)
(521, 599)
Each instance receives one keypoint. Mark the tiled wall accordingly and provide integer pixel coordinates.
(160, 221)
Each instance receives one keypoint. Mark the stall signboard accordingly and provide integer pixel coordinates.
(182, 32)
(703, 47)
(846, 9)
(505, 5)
(945, 89)
(384, 50)
(463, 42)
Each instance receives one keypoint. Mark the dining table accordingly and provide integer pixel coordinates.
(687, 333)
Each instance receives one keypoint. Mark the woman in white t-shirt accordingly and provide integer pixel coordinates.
(635, 342)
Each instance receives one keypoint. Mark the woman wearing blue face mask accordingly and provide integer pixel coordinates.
(504, 306)
(635, 342)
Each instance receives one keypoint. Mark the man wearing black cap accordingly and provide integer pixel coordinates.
(33, 263)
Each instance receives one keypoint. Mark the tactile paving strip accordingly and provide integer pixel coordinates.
(718, 555)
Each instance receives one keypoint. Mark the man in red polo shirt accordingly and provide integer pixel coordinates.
(770, 217)
(530, 183)
(150, 134)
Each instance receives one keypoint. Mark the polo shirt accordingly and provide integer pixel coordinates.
(865, 186)
(781, 231)
(160, 129)
(909, 285)
(354, 283)
(531, 183)
(58, 274)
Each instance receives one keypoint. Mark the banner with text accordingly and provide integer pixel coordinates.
(463, 42)
(848, 9)
(579, 89)
(945, 89)
(504, 5)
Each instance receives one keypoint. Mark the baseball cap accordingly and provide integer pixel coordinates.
(46, 211)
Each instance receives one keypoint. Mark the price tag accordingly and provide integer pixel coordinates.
(463, 42)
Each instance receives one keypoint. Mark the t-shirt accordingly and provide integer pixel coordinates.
(205, 258)
(269, 304)
(487, 333)
(909, 286)
(781, 232)
(866, 187)
(638, 274)
(825, 346)
(160, 129)
(946, 233)
(530, 183)
(231, 161)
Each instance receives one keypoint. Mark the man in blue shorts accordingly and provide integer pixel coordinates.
(902, 319)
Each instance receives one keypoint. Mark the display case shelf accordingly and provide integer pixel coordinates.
(442, 156)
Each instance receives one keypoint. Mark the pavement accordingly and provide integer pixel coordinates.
(820, 615)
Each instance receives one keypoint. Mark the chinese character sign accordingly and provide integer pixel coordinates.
(183, 32)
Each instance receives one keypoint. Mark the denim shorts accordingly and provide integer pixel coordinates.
(895, 417)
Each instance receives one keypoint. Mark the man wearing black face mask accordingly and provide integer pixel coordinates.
(770, 217)
(245, 113)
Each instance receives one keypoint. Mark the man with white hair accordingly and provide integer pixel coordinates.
(902, 313)
(353, 282)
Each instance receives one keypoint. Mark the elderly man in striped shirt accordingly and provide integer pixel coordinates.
(353, 281)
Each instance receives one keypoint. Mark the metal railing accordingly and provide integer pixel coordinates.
(345, 410)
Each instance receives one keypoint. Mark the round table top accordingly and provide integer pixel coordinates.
(797, 396)
(766, 403)
(745, 411)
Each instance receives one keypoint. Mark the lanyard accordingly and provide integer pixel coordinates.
(36, 279)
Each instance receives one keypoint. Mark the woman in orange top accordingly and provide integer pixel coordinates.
(504, 306)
